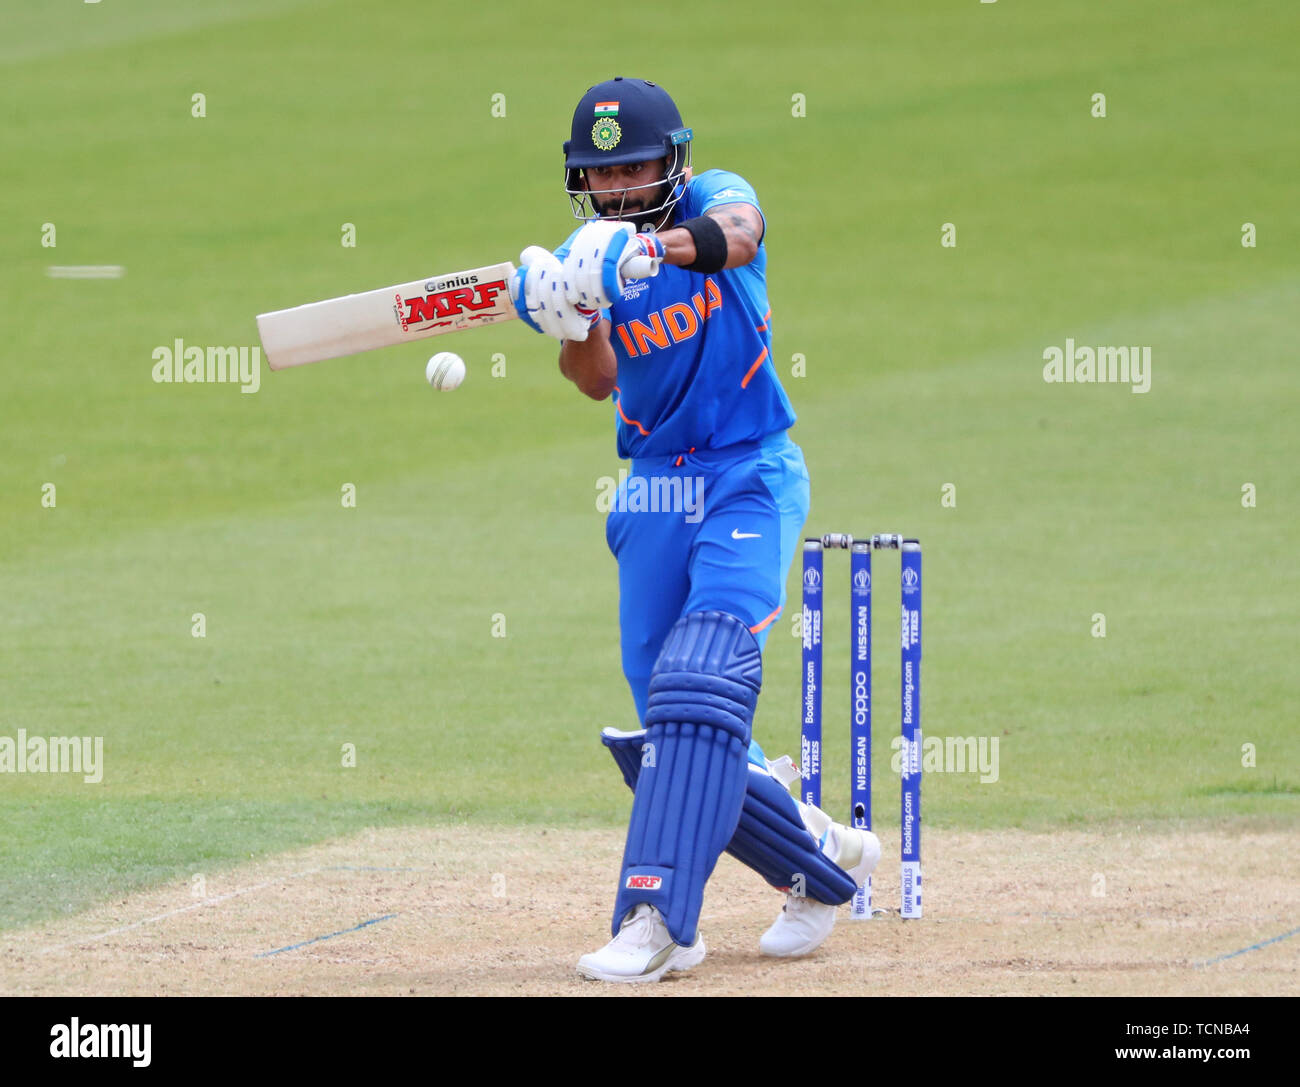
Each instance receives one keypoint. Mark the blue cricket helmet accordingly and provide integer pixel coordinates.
(624, 121)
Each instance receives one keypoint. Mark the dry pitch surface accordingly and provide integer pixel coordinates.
(470, 911)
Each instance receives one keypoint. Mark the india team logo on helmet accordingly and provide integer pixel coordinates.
(621, 122)
(606, 134)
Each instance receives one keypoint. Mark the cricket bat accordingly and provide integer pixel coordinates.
(390, 315)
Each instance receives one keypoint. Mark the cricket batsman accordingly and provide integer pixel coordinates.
(659, 301)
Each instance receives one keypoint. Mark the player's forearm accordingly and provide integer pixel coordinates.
(590, 364)
(738, 227)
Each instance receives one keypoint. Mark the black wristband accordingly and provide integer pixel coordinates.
(710, 244)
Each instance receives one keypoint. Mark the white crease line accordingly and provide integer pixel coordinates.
(175, 913)
(85, 271)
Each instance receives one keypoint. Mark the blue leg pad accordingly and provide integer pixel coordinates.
(626, 749)
(770, 838)
(691, 774)
(773, 840)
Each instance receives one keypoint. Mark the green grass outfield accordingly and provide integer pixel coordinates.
(374, 625)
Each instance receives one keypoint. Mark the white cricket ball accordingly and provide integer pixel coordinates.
(445, 371)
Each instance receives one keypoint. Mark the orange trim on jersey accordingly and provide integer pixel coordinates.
(681, 457)
(766, 622)
(766, 317)
(744, 381)
(630, 422)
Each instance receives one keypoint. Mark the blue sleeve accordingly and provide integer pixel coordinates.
(717, 187)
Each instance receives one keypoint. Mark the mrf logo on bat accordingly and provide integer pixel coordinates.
(455, 301)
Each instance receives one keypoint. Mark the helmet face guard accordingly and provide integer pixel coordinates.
(659, 196)
(617, 123)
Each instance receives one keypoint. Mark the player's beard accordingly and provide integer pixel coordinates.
(633, 210)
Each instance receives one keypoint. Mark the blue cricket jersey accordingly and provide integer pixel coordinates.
(694, 351)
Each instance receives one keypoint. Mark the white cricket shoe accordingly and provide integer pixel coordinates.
(804, 923)
(642, 951)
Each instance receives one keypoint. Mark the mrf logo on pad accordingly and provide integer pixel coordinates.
(644, 883)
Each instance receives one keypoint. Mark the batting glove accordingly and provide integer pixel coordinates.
(603, 256)
(539, 293)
